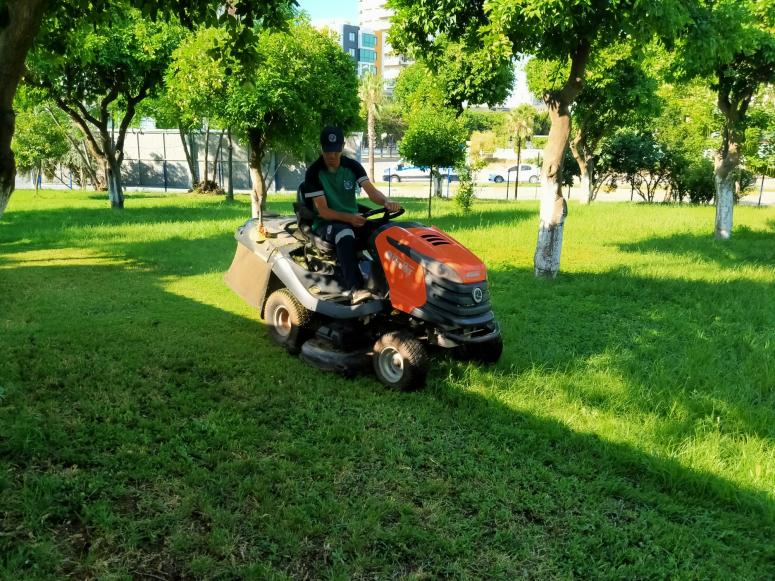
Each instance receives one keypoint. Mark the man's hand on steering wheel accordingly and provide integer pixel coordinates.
(392, 206)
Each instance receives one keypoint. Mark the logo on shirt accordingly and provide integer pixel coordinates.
(348, 185)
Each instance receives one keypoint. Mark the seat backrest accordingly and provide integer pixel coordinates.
(302, 207)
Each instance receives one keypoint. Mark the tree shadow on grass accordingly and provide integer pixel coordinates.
(746, 247)
(684, 351)
(146, 432)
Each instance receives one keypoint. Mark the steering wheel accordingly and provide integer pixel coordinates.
(386, 214)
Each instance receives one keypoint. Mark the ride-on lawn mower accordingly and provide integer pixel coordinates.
(430, 292)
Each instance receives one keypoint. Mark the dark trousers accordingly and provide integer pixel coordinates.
(347, 240)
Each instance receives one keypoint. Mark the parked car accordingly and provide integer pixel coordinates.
(407, 172)
(527, 173)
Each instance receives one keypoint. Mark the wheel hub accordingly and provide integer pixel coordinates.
(391, 364)
(282, 321)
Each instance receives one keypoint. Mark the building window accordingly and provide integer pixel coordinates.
(368, 56)
(351, 51)
(368, 40)
(352, 37)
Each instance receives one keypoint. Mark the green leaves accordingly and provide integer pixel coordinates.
(435, 138)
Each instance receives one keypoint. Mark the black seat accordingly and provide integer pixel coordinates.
(305, 215)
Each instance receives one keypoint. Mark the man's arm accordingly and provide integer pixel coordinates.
(321, 205)
(378, 197)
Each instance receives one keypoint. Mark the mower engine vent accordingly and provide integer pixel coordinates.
(434, 239)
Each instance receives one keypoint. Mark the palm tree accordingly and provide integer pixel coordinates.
(372, 96)
(520, 127)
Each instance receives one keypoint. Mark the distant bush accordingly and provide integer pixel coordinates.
(464, 198)
(208, 187)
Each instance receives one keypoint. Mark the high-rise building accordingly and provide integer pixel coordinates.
(373, 15)
(360, 43)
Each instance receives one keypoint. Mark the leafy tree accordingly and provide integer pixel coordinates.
(500, 30)
(730, 43)
(301, 81)
(20, 21)
(435, 138)
(372, 94)
(618, 93)
(39, 145)
(416, 88)
(93, 72)
(759, 148)
(637, 156)
(483, 120)
(684, 129)
(391, 122)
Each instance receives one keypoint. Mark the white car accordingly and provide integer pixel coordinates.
(527, 173)
(407, 172)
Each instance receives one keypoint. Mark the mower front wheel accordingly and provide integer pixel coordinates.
(289, 321)
(400, 361)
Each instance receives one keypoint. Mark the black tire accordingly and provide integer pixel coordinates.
(396, 179)
(400, 361)
(498, 179)
(288, 321)
(533, 179)
(488, 352)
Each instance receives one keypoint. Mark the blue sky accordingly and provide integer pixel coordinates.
(330, 9)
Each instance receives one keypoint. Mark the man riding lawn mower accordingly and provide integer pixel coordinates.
(404, 289)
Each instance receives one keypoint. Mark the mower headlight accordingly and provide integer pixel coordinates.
(441, 270)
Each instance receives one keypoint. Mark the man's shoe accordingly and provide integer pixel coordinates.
(359, 296)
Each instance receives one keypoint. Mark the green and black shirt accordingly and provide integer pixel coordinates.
(339, 187)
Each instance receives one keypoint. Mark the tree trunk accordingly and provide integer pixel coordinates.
(554, 209)
(725, 199)
(519, 163)
(372, 142)
(189, 152)
(115, 183)
(230, 190)
(207, 147)
(430, 193)
(23, 19)
(579, 151)
(255, 161)
(726, 161)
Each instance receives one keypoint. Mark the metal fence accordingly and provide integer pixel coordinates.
(155, 160)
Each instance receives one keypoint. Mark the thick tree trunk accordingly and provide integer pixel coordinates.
(372, 143)
(23, 19)
(726, 161)
(554, 209)
(255, 162)
(725, 199)
(115, 184)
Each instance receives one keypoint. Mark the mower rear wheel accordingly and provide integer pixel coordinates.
(289, 321)
(400, 361)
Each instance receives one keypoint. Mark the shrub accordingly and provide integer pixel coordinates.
(464, 198)
(208, 187)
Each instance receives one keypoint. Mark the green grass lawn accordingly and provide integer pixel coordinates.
(149, 429)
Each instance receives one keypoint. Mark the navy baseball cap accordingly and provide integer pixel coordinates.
(332, 139)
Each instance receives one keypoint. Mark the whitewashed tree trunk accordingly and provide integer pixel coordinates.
(725, 204)
(115, 184)
(553, 211)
